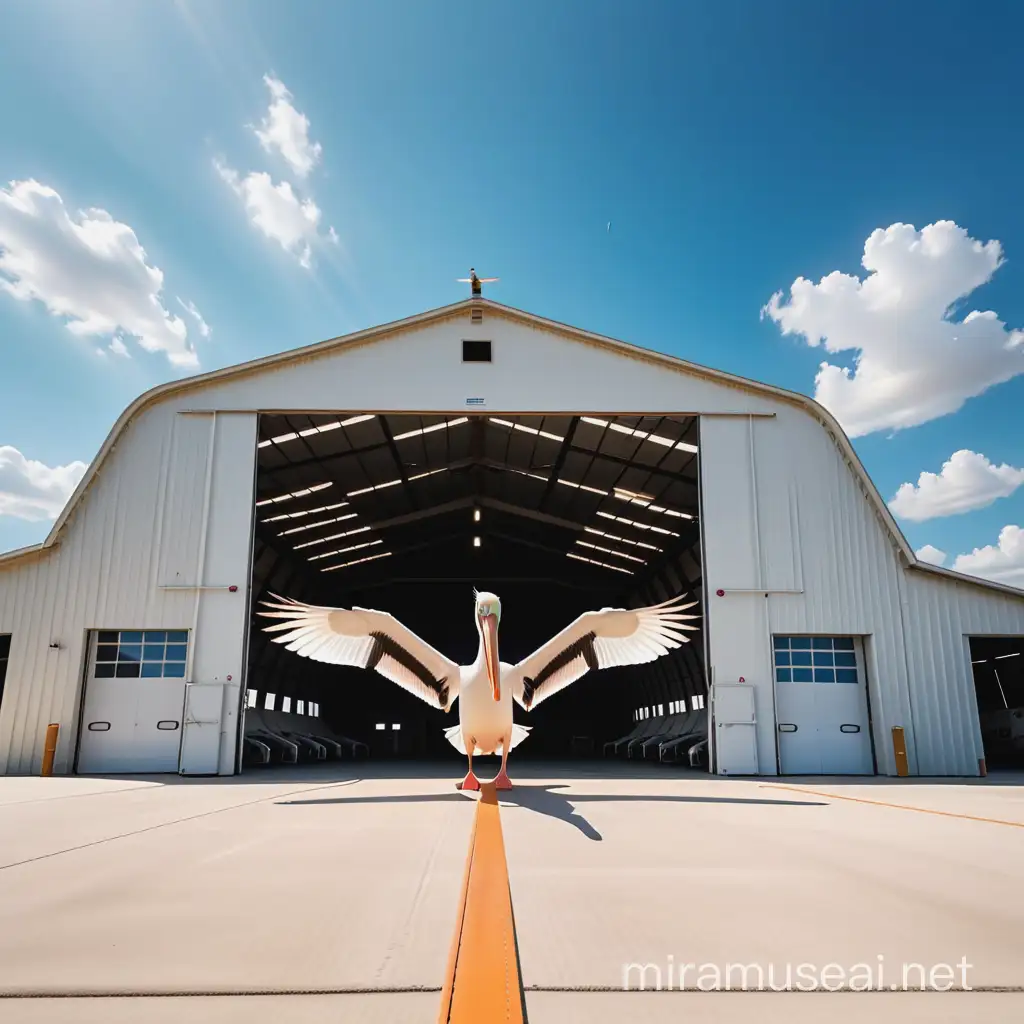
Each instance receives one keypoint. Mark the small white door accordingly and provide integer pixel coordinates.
(134, 693)
(200, 744)
(735, 728)
(821, 706)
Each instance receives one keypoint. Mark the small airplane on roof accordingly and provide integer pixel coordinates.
(476, 282)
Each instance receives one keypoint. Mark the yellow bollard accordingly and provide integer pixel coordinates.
(899, 748)
(50, 747)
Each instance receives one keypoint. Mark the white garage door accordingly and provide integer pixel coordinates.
(134, 695)
(821, 706)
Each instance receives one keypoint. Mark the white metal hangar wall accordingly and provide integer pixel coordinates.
(804, 571)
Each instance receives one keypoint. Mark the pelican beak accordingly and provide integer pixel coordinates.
(489, 625)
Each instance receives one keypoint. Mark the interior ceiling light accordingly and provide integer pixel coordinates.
(523, 472)
(429, 472)
(333, 536)
(375, 487)
(527, 430)
(344, 551)
(431, 429)
(665, 442)
(356, 561)
(999, 657)
(318, 523)
(295, 494)
(645, 500)
(638, 526)
(604, 565)
(476, 542)
(609, 551)
(322, 429)
(476, 515)
(621, 540)
(582, 487)
(305, 512)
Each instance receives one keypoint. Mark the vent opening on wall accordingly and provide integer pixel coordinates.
(476, 351)
(476, 315)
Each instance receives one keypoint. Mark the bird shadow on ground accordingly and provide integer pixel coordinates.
(544, 799)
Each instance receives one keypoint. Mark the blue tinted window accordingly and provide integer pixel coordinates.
(801, 657)
(822, 643)
(824, 658)
(802, 675)
(846, 675)
(844, 643)
(783, 675)
(782, 657)
(824, 675)
(847, 660)
(801, 643)
(134, 654)
(177, 636)
(782, 643)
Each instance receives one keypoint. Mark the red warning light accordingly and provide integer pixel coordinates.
(232, 589)
(720, 593)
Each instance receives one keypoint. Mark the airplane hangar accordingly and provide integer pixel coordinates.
(478, 445)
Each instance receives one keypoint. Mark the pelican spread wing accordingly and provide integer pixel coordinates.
(612, 636)
(362, 638)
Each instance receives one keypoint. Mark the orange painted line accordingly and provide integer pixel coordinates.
(484, 984)
(899, 807)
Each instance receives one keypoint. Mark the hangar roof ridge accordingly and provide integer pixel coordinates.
(381, 332)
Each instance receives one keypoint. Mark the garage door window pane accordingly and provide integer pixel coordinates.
(817, 659)
(146, 654)
(824, 675)
(844, 643)
(846, 675)
(782, 658)
(783, 675)
(846, 659)
(800, 643)
(803, 675)
(782, 643)
(801, 657)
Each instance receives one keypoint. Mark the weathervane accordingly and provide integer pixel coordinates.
(476, 282)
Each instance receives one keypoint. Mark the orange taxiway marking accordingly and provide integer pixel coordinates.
(899, 807)
(483, 982)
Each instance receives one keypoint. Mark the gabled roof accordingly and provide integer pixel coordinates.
(375, 334)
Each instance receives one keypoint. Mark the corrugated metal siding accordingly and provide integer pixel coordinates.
(818, 532)
(942, 613)
(104, 575)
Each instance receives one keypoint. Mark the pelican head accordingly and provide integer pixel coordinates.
(488, 615)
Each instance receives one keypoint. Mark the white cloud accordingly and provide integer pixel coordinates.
(931, 555)
(1002, 562)
(913, 362)
(277, 211)
(201, 325)
(89, 269)
(967, 481)
(32, 490)
(287, 130)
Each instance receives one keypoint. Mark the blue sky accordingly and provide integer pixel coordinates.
(733, 147)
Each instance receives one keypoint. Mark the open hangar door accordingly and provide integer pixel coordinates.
(403, 513)
(998, 668)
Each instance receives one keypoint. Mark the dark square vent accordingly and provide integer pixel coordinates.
(476, 351)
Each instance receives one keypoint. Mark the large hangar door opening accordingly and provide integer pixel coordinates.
(407, 514)
(998, 665)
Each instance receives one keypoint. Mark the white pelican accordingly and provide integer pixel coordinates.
(362, 638)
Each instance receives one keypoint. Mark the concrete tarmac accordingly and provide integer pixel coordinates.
(330, 892)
